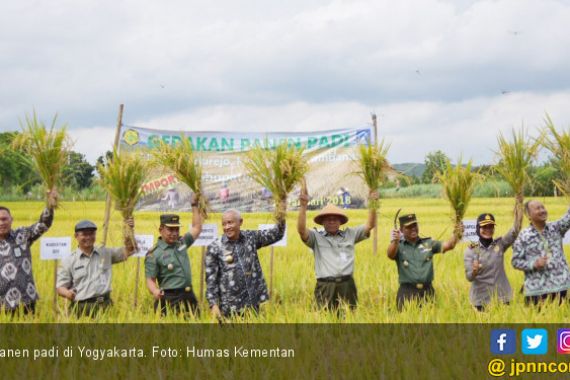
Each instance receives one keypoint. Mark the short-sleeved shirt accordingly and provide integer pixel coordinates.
(415, 260)
(89, 275)
(530, 245)
(170, 264)
(491, 277)
(334, 254)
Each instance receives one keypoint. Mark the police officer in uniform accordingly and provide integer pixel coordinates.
(167, 266)
(413, 256)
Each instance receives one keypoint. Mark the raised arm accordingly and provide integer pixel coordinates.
(196, 219)
(371, 222)
(302, 218)
(454, 239)
(394, 244)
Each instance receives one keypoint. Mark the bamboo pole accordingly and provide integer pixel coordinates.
(108, 200)
(271, 271)
(202, 272)
(137, 279)
(375, 229)
(55, 262)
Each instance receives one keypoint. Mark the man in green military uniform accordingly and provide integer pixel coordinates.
(414, 255)
(167, 266)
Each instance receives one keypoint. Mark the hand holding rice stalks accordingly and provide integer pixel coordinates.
(123, 177)
(181, 160)
(374, 167)
(278, 170)
(458, 185)
(47, 149)
(515, 161)
(558, 143)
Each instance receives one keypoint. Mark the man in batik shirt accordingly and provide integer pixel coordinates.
(234, 278)
(17, 287)
(539, 253)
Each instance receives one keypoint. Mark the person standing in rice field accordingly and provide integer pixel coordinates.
(234, 278)
(538, 252)
(484, 262)
(17, 286)
(333, 249)
(413, 256)
(167, 266)
(84, 278)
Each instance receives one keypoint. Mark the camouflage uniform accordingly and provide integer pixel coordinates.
(16, 279)
(530, 245)
(233, 273)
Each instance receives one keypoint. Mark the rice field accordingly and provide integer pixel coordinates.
(292, 300)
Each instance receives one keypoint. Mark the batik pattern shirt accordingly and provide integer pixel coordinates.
(530, 245)
(16, 279)
(233, 273)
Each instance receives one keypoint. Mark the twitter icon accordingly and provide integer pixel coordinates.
(534, 341)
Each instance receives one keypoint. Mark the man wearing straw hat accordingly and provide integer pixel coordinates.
(539, 252)
(17, 287)
(334, 251)
(167, 265)
(413, 256)
(84, 278)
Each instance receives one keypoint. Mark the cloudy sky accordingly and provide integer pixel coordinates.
(439, 74)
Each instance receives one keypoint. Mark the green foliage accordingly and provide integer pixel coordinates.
(434, 162)
(77, 173)
(15, 169)
(558, 143)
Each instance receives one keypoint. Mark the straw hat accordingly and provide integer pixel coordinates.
(331, 209)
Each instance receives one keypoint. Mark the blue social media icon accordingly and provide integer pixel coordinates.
(503, 342)
(534, 341)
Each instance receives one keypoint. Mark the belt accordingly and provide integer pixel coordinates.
(335, 279)
(187, 289)
(97, 299)
(418, 285)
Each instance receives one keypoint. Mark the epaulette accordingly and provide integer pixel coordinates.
(150, 251)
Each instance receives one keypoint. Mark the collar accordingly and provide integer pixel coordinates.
(82, 254)
(163, 245)
(225, 239)
(339, 233)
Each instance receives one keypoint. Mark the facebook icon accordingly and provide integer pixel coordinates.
(503, 342)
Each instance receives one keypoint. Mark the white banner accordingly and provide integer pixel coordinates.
(280, 243)
(55, 248)
(144, 243)
(469, 234)
(208, 235)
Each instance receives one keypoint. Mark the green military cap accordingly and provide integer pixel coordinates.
(170, 220)
(407, 220)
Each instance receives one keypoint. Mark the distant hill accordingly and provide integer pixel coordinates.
(410, 168)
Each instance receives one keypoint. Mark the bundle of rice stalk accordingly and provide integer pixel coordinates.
(47, 149)
(374, 167)
(515, 160)
(558, 143)
(458, 184)
(181, 160)
(278, 170)
(123, 177)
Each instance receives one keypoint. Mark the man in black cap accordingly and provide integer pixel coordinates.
(413, 256)
(167, 266)
(84, 278)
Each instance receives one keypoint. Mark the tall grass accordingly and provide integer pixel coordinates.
(458, 184)
(46, 148)
(279, 170)
(373, 166)
(182, 161)
(558, 143)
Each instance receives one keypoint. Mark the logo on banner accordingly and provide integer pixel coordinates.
(131, 137)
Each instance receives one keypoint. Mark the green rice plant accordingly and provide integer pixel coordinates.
(47, 149)
(182, 161)
(558, 143)
(123, 177)
(278, 170)
(515, 159)
(374, 167)
(458, 184)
